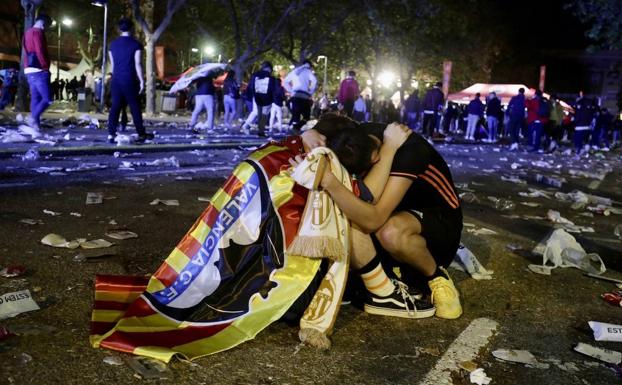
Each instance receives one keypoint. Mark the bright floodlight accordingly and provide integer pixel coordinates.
(194, 49)
(209, 50)
(386, 78)
(99, 3)
(67, 21)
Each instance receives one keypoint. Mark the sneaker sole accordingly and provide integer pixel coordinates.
(399, 313)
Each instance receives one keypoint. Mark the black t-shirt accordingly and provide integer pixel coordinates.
(432, 186)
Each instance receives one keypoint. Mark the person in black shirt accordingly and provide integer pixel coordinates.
(127, 81)
(416, 217)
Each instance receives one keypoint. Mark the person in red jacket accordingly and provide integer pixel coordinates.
(37, 70)
(349, 91)
(538, 112)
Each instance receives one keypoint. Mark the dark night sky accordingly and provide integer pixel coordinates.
(535, 27)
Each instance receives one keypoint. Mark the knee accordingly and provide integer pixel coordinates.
(390, 235)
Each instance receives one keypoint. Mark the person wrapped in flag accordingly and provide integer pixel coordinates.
(231, 275)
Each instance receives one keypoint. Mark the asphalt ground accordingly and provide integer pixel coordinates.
(517, 309)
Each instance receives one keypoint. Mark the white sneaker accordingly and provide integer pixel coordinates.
(605, 149)
(28, 130)
(514, 147)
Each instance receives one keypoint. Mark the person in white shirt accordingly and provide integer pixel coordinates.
(300, 83)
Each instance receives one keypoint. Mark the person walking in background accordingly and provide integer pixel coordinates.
(516, 113)
(204, 100)
(276, 110)
(538, 112)
(475, 109)
(554, 129)
(493, 113)
(37, 70)
(349, 91)
(359, 110)
(600, 137)
(583, 117)
(301, 84)
(432, 105)
(261, 88)
(231, 94)
(127, 81)
(413, 109)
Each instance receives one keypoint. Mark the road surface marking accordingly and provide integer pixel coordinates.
(464, 348)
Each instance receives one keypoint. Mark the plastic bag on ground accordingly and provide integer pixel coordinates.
(560, 249)
(466, 261)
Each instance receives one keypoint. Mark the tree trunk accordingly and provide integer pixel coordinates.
(150, 75)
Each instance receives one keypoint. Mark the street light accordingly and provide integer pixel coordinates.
(323, 57)
(103, 3)
(67, 22)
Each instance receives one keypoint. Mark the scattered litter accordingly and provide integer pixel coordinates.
(608, 279)
(591, 175)
(562, 250)
(535, 193)
(112, 222)
(465, 260)
(606, 332)
(482, 231)
(95, 253)
(148, 367)
(33, 132)
(87, 167)
(94, 198)
(121, 234)
(12, 136)
(478, 376)
(50, 212)
(469, 366)
(502, 204)
(550, 181)
(31, 154)
(183, 178)
(12, 271)
(617, 231)
(555, 217)
(29, 221)
(112, 360)
(605, 355)
(513, 179)
(48, 170)
(530, 204)
(24, 358)
(166, 202)
(172, 162)
(604, 210)
(469, 197)
(96, 244)
(12, 304)
(520, 356)
(203, 199)
(56, 240)
(75, 214)
(5, 333)
(540, 269)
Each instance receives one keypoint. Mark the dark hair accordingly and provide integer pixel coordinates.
(477, 95)
(265, 65)
(521, 90)
(538, 93)
(439, 84)
(353, 147)
(307, 61)
(47, 21)
(351, 73)
(125, 24)
(350, 143)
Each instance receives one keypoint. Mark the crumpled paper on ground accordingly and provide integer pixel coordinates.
(59, 241)
(560, 249)
(466, 261)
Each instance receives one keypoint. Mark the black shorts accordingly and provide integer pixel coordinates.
(441, 228)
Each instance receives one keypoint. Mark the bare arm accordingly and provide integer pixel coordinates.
(368, 217)
(111, 62)
(394, 136)
(139, 69)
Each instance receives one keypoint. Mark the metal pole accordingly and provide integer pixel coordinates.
(325, 65)
(58, 57)
(104, 56)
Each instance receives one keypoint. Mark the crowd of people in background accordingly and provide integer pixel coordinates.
(537, 123)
